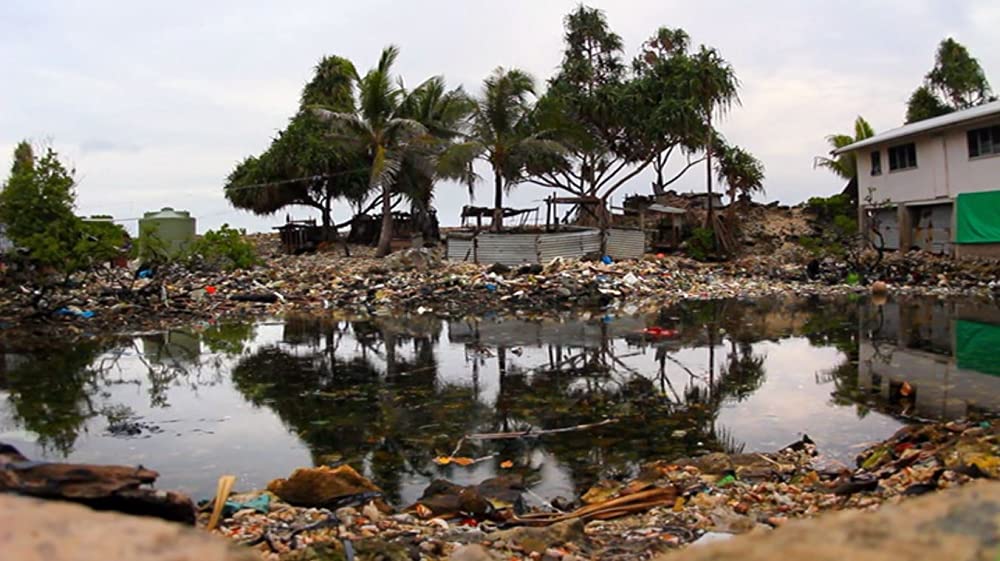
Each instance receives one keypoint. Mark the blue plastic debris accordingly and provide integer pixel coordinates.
(491, 287)
(75, 312)
(260, 503)
(606, 259)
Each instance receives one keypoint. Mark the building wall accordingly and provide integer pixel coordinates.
(943, 170)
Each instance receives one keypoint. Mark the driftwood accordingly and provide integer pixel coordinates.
(613, 508)
(118, 488)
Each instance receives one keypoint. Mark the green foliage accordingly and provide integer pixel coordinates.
(223, 249)
(743, 173)
(303, 166)
(701, 244)
(838, 217)
(504, 133)
(956, 82)
(845, 165)
(923, 104)
(36, 205)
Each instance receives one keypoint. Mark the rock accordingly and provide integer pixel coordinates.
(537, 540)
(35, 530)
(372, 512)
(321, 486)
(954, 524)
(446, 498)
(498, 269)
(474, 552)
(329, 551)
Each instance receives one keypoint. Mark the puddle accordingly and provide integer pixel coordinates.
(389, 395)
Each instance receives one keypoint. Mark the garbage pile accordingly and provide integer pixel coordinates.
(668, 505)
(411, 281)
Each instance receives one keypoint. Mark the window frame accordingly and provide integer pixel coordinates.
(905, 146)
(875, 157)
(994, 133)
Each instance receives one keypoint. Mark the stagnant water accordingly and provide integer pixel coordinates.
(389, 395)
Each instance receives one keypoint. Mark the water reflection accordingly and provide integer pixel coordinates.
(932, 358)
(388, 394)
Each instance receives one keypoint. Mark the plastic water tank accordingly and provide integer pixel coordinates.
(174, 228)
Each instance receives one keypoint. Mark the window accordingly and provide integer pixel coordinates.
(984, 141)
(902, 157)
(876, 163)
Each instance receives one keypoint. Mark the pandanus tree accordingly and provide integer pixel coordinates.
(381, 128)
(503, 133)
(301, 166)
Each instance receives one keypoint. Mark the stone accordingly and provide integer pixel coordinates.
(321, 486)
(962, 523)
(474, 552)
(537, 540)
(36, 530)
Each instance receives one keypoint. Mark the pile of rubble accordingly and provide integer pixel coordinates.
(668, 505)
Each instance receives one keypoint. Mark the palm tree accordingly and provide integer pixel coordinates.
(743, 173)
(715, 83)
(503, 133)
(443, 112)
(386, 134)
(845, 165)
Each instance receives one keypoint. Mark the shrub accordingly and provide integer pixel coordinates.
(36, 205)
(701, 244)
(224, 249)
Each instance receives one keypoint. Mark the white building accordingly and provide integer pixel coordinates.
(936, 183)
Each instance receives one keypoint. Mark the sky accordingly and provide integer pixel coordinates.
(153, 103)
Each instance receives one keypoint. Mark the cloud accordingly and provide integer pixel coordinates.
(154, 103)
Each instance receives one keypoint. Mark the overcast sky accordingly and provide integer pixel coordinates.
(154, 102)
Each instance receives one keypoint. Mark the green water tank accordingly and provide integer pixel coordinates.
(174, 229)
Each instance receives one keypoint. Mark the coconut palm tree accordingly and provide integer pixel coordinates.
(715, 83)
(845, 165)
(380, 126)
(444, 113)
(503, 133)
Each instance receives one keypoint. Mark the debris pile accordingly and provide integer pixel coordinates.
(669, 504)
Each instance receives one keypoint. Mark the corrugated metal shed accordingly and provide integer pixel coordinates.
(568, 244)
(626, 244)
(541, 247)
(523, 333)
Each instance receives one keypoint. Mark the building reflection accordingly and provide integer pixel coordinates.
(932, 358)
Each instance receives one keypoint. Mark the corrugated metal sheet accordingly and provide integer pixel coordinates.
(517, 249)
(523, 333)
(887, 221)
(507, 249)
(626, 244)
(932, 227)
(568, 244)
(459, 248)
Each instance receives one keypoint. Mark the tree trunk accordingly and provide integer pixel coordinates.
(327, 221)
(497, 202)
(708, 167)
(385, 237)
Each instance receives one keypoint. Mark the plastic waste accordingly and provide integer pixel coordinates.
(75, 312)
(606, 259)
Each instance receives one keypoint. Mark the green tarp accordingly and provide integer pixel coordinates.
(977, 217)
(977, 346)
